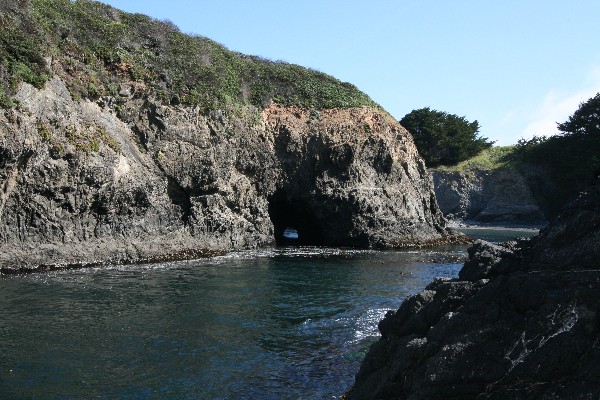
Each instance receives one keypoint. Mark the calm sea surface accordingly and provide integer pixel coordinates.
(283, 323)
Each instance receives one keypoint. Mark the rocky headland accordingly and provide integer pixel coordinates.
(82, 183)
(520, 322)
(124, 140)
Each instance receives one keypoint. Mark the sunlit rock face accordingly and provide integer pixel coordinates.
(501, 196)
(88, 181)
(520, 323)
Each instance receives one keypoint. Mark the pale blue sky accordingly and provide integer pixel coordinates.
(516, 66)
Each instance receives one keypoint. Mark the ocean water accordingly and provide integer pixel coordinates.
(280, 323)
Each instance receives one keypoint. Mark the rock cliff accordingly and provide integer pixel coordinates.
(499, 196)
(90, 181)
(520, 322)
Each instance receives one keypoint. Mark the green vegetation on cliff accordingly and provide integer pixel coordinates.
(571, 160)
(556, 167)
(95, 48)
(572, 157)
(489, 159)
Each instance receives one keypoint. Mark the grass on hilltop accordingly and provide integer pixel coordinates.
(95, 48)
(486, 160)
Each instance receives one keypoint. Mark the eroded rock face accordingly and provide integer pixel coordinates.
(355, 169)
(520, 323)
(89, 181)
(499, 196)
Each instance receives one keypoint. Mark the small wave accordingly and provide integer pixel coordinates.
(360, 326)
(292, 252)
(366, 324)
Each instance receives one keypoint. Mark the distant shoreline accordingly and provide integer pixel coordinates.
(496, 226)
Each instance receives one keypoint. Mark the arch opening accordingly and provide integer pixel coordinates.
(296, 214)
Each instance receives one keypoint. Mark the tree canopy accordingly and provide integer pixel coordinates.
(570, 161)
(584, 121)
(442, 138)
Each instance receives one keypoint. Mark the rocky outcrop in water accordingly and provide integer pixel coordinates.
(92, 181)
(500, 196)
(521, 322)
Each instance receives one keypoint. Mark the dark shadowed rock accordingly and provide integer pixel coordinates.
(486, 258)
(522, 322)
(572, 241)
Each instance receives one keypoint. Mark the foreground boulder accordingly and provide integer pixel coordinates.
(87, 182)
(522, 322)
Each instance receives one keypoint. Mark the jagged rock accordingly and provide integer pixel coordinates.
(90, 182)
(527, 330)
(484, 258)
